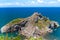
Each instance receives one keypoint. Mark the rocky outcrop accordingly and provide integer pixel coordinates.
(35, 26)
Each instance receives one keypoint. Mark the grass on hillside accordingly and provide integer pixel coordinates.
(18, 37)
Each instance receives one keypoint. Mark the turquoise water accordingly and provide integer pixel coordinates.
(8, 14)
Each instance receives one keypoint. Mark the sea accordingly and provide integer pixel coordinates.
(7, 14)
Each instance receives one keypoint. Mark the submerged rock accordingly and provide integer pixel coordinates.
(53, 24)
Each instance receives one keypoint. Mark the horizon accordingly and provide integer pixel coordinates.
(29, 3)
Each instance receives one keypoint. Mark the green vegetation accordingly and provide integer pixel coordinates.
(1, 37)
(42, 23)
(18, 37)
(31, 38)
(15, 21)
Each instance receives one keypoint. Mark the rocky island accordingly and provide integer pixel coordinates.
(34, 26)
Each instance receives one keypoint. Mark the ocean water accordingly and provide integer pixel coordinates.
(8, 14)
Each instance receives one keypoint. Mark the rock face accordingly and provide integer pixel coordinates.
(30, 29)
(35, 26)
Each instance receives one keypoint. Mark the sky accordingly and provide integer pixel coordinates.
(29, 3)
